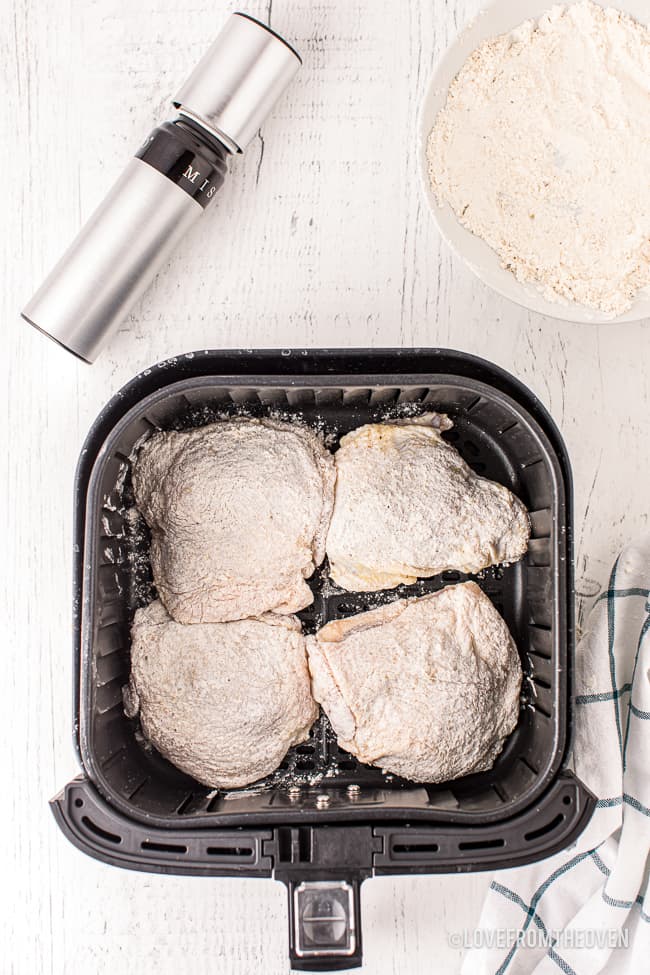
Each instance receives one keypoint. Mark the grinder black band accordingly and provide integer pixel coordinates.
(188, 158)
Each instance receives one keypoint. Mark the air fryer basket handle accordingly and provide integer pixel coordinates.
(323, 866)
(324, 924)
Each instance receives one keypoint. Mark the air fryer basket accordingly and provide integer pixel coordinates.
(323, 822)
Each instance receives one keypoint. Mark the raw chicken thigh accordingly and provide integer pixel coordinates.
(427, 688)
(238, 512)
(223, 701)
(407, 506)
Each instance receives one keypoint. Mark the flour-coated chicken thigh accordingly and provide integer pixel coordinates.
(223, 701)
(407, 506)
(426, 688)
(238, 512)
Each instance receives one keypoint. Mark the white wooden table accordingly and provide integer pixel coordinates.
(320, 238)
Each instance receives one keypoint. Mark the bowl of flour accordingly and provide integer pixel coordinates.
(535, 155)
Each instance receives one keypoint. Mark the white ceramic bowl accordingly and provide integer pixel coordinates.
(500, 17)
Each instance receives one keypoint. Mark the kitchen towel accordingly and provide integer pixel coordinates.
(587, 909)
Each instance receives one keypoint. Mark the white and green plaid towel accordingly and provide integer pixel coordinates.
(587, 909)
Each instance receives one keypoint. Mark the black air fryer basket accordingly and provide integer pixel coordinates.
(323, 822)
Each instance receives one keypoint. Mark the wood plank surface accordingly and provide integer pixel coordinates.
(321, 237)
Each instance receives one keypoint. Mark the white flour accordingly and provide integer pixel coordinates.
(543, 150)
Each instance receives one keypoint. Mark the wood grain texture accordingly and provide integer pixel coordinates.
(320, 238)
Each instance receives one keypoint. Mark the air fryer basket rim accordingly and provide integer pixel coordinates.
(303, 368)
(178, 388)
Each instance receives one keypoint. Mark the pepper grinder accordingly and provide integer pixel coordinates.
(165, 188)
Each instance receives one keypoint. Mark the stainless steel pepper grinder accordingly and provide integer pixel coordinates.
(165, 188)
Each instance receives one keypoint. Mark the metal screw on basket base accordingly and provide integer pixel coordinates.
(353, 791)
(322, 801)
(294, 792)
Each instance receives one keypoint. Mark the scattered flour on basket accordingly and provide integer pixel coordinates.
(543, 150)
